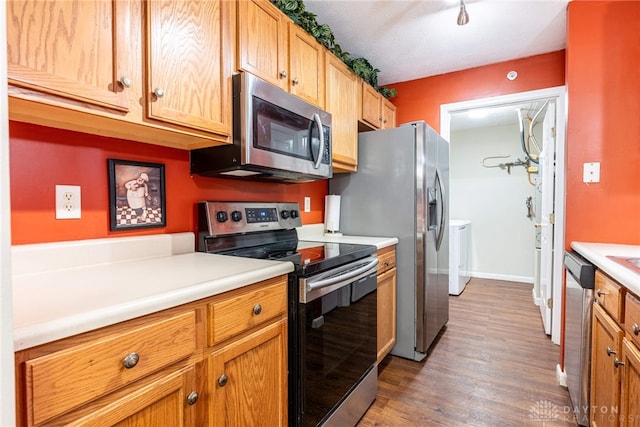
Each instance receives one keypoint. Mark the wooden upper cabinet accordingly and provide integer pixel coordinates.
(274, 48)
(262, 41)
(306, 66)
(187, 80)
(341, 100)
(69, 49)
(388, 114)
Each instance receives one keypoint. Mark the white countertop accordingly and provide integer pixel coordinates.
(108, 286)
(597, 253)
(315, 232)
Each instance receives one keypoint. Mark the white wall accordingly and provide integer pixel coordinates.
(7, 410)
(502, 237)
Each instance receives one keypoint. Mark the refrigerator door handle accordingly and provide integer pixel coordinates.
(441, 215)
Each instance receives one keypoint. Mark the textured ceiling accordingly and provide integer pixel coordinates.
(407, 40)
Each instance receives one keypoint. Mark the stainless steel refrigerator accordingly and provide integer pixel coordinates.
(401, 190)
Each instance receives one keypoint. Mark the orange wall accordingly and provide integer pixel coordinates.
(421, 99)
(603, 80)
(42, 157)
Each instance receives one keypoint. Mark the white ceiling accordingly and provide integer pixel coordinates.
(407, 39)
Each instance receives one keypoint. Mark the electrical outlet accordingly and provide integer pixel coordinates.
(68, 202)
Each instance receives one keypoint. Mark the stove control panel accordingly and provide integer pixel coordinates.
(221, 218)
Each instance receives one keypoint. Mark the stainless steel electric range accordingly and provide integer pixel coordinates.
(332, 306)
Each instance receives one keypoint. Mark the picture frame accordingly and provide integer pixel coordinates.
(136, 195)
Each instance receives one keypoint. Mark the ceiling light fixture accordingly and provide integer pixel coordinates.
(463, 16)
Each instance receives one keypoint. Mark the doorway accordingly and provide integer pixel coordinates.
(548, 226)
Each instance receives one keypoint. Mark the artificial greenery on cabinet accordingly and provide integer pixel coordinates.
(295, 10)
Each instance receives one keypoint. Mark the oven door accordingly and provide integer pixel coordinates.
(337, 339)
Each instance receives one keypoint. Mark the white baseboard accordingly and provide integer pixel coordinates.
(561, 376)
(536, 300)
(506, 277)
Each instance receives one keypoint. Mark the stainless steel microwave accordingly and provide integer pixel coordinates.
(276, 136)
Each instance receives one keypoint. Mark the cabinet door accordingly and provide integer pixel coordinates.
(306, 66)
(386, 313)
(630, 413)
(262, 41)
(167, 401)
(254, 366)
(188, 76)
(69, 49)
(371, 106)
(388, 114)
(342, 102)
(605, 374)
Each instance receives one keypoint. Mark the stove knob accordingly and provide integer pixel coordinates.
(236, 216)
(222, 216)
(294, 214)
(284, 214)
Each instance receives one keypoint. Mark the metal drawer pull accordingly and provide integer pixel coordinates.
(636, 329)
(193, 398)
(222, 381)
(295, 81)
(617, 362)
(131, 360)
(158, 92)
(600, 293)
(257, 309)
(610, 352)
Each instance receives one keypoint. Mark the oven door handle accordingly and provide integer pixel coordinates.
(349, 276)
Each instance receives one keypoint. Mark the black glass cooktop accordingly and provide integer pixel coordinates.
(308, 257)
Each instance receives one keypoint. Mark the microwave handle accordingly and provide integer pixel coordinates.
(316, 118)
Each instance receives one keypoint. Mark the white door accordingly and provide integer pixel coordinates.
(547, 169)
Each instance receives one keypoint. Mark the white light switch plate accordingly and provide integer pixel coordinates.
(307, 204)
(591, 172)
(68, 202)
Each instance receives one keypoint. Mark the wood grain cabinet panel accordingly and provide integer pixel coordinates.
(386, 306)
(630, 411)
(632, 318)
(67, 49)
(609, 295)
(248, 380)
(152, 71)
(66, 379)
(605, 371)
(229, 317)
(341, 100)
(186, 74)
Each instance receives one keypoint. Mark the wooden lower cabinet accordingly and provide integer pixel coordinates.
(605, 372)
(247, 380)
(386, 301)
(615, 359)
(160, 370)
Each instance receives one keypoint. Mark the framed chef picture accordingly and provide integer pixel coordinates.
(136, 195)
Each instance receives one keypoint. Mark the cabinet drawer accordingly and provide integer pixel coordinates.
(238, 312)
(386, 259)
(632, 318)
(610, 296)
(66, 379)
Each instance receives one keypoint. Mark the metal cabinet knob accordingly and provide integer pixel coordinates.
(617, 362)
(158, 92)
(295, 81)
(257, 309)
(222, 381)
(600, 293)
(131, 360)
(283, 74)
(125, 81)
(193, 398)
(610, 352)
(636, 329)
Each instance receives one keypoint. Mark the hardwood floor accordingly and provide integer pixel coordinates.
(493, 365)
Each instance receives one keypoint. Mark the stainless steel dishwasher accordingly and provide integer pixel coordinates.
(580, 280)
